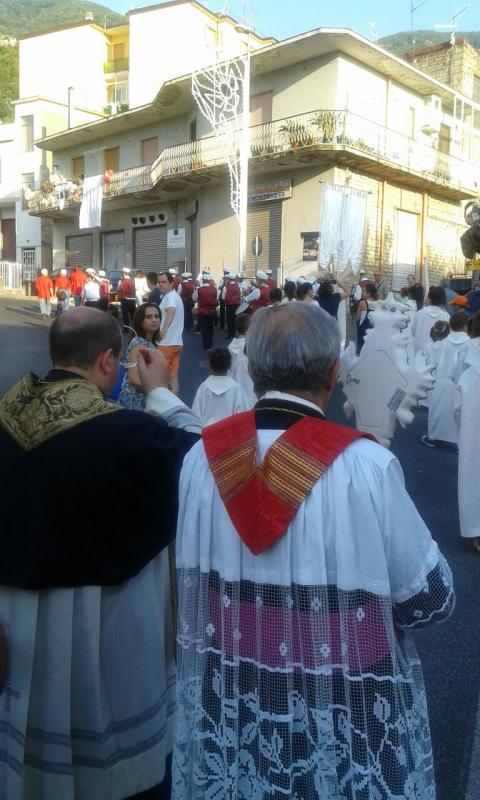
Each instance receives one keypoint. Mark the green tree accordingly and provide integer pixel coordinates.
(8, 81)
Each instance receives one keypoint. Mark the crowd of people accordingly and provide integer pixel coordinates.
(220, 595)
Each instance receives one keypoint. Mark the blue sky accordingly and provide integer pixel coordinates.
(283, 18)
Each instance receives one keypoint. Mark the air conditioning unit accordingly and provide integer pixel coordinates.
(432, 114)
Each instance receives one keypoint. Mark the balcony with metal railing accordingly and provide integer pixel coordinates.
(58, 201)
(115, 65)
(327, 137)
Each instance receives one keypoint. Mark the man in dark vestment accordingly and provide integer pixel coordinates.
(85, 592)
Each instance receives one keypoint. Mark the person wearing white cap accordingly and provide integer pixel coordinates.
(104, 290)
(271, 282)
(231, 297)
(206, 298)
(91, 290)
(176, 280)
(221, 297)
(128, 300)
(44, 289)
(63, 289)
(185, 290)
(259, 297)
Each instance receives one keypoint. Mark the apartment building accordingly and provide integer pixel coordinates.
(334, 119)
(81, 73)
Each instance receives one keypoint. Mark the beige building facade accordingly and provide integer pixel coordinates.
(328, 109)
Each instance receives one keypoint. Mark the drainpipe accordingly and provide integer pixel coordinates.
(422, 235)
(381, 254)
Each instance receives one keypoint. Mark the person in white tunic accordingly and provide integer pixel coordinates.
(219, 396)
(302, 567)
(428, 316)
(239, 368)
(466, 411)
(447, 357)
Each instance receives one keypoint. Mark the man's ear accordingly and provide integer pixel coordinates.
(106, 361)
(331, 376)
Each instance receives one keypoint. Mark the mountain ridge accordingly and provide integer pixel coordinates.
(22, 17)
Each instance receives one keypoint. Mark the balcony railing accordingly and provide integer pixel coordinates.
(323, 130)
(65, 195)
(116, 65)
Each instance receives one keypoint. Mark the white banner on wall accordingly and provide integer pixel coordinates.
(342, 228)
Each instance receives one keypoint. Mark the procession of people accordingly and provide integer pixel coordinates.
(230, 608)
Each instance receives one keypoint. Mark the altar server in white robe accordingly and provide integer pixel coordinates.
(239, 368)
(302, 566)
(431, 313)
(219, 396)
(447, 357)
(467, 405)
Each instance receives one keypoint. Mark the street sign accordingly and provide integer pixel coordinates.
(257, 246)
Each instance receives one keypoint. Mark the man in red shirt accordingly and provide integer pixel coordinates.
(78, 279)
(63, 290)
(231, 297)
(271, 282)
(206, 298)
(128, 298)
(44, 289)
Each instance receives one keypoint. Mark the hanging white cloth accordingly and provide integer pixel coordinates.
(448, 363)
(91, 207)
(466, 413)
(342, 228)
(293, 679)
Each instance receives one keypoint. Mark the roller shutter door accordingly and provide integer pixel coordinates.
(150, 248)
(265, 220)
(79, 251)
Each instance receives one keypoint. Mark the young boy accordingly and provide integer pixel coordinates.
(219, 396)
(239, 368)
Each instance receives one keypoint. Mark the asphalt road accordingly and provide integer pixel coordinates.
(450, 652)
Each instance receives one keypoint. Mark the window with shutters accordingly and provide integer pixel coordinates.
(150, 248)
(264, 220)
(112, 159)
(78, 168)
(149, 150)
(27, 134)
(261, 108)
(79, 250)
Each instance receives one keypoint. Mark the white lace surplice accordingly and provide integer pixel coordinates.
(297, 677)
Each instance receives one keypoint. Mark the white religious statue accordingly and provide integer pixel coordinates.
(380, 385)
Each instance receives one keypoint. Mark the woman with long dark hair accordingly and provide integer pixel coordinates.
(146, 324)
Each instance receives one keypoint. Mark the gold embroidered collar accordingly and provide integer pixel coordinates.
(34, 411)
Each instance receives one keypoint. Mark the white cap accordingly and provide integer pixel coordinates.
(44, 271)
(126, 269)
(206, 271)
(205, 278)
(231, 276)
(301, 280)
(101, 273)
(90, 271)
(269, 271)
(186, 274)
(172, 271)
(63, 272)
(261, 275)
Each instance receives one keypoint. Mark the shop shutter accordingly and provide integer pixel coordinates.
(150, 248)
(80, 251)
(265, 220)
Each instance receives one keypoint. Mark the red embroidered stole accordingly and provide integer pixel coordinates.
(262, 500)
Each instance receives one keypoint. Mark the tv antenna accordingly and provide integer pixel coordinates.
(413, 9)
(451, 26)
(373, 30)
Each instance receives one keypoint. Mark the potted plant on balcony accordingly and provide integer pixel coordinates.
(296, 134)
(326, 121)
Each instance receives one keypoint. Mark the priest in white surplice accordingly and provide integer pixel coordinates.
(302, 565)
(466, 412)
